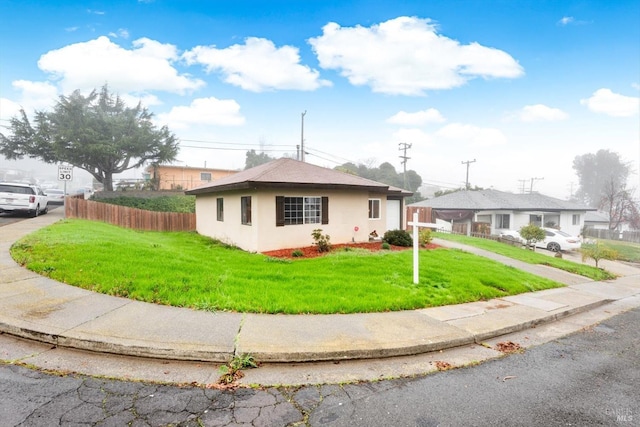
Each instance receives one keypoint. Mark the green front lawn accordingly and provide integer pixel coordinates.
(529, 256)
(189, 270)
(627, 251)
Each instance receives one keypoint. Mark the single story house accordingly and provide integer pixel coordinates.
(499, 210)
(597, 220)
(170, 177)
(277, 205)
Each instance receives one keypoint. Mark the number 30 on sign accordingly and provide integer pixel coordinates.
(65, 173)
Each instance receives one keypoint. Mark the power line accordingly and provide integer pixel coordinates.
(234, 149)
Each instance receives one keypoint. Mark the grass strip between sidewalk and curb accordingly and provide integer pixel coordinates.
(188, 270)
(529, 256)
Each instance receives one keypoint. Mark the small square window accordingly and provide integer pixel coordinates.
(205, 176)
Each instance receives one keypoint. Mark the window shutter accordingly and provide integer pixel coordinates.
(279, 211)
(325, 210)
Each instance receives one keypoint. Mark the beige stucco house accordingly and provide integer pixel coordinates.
(170, 177)
(277, 205)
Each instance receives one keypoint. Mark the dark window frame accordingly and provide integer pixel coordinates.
(245, 210)
(220, 209)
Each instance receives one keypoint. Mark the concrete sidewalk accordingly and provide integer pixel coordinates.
(35, 307)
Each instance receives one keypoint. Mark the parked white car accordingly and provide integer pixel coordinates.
(19, 197)
(555, 240)
(56, 196)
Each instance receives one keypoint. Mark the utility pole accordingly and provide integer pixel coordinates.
(466, 186)
(522, 181)
(531, 186)
(403, 146)
(302, 137)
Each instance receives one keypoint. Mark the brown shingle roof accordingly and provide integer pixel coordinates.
(290, 173)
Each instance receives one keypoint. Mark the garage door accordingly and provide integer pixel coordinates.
(393, 215)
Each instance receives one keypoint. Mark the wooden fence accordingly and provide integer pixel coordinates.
(628, 236)
(122, 216)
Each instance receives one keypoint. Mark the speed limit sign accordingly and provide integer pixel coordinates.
(65, 173)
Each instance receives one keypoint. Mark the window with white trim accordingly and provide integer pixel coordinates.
(575, 219)
(302, 210)
(205, 176)
(374, 208)
(502, 221)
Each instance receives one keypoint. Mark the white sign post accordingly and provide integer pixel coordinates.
(416, 259)
(65, 173)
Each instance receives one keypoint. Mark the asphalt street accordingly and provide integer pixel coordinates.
(584, 379)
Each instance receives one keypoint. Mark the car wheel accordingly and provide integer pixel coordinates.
(46, 210)
(553, 247)
(36, 212)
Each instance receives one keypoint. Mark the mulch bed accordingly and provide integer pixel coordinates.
(312, 251)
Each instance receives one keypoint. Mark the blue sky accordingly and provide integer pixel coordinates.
(522, 87)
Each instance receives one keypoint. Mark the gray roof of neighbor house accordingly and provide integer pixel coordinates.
(290, 173)
(602, 217)
(482, 200)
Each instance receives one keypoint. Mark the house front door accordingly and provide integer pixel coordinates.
(393, 215)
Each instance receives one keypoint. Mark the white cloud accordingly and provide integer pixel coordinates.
(258, 65)
(33, 96)
(475, 136)
(204, 111)
(413, 136)
(122, 33)
(613, 104)
(418, 118)
(8, 109)
(540, 112)
(566, 20)
(635, 86)
(407, 56)
(89, 65)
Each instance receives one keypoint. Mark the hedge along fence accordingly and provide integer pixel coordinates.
(122, 216)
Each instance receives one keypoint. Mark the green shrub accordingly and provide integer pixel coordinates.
(398, 238)
(531, 234)
(386, 246)
(297, 253)
(321, 240)
(425, 237)
(174, 203)
(597, 251)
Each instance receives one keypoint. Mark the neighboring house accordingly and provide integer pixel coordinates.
(170, 177)
(497, 210)
(597, 220)
(277, 205)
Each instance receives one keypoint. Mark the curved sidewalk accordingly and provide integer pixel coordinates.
(35, 307)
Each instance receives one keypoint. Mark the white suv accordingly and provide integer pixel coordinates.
(19, 197)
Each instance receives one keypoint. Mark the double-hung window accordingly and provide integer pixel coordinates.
(502, 221)
(575, 219)
(374, 208)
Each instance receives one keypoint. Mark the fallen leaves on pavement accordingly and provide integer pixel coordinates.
(508, 347)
